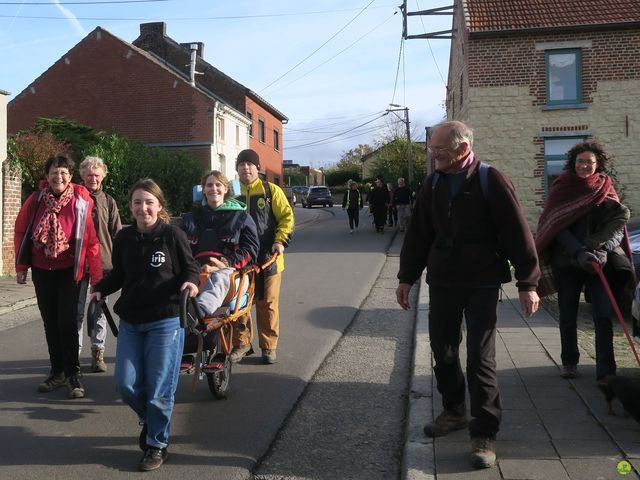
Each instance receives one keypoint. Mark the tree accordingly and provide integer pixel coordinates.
(30, 151)
(353, 158)
(391, 161)
(127, 160)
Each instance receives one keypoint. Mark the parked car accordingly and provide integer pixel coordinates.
(298, 192)
(317, 196)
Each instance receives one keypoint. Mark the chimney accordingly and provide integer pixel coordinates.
(192, 64)
(153, 29)
(200, 47)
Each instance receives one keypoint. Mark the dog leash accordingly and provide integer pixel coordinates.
(598, 270)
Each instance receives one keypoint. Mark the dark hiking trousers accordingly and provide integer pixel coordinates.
(570, 282)
(354, 217)
(446, 309)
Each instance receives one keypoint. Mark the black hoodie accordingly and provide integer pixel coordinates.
(150, 268)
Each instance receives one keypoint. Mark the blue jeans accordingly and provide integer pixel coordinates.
(146, 376)
(570, 282)
(99, 332)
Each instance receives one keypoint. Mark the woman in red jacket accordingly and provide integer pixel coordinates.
(55, 236)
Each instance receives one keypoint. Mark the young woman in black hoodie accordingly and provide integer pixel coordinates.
(152, 264)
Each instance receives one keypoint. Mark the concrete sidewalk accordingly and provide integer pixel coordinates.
(14, 296)
(551, 428)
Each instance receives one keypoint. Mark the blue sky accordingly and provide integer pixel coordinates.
(329, 65)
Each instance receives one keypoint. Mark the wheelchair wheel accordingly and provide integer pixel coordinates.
(219, 381)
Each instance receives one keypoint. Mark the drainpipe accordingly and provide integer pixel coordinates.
(192, 65)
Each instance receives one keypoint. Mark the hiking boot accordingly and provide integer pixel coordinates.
(53, 381)
(76, 390)
(568, 371)
(153, 458)
(240, 352)
(142, 439)
(97, 361)
(269, 356)
(445, 423)
(483, 452)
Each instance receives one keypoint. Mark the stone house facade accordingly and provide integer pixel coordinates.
(534, 78)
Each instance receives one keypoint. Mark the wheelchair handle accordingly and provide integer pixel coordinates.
(184, 299)
(269, 262)
(92, 311)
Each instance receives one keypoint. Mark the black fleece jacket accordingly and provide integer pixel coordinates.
(466, 240)
(150, 277)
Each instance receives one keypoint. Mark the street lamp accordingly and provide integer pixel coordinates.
(397, 108)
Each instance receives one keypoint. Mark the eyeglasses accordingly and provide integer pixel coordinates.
(438, 149)
(59, 174)
(585, 163)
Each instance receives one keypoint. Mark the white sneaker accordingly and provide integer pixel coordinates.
(351, 231)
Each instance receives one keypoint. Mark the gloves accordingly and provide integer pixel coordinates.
(584, 259)
(602, 257)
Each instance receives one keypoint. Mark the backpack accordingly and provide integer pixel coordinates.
(483, 171)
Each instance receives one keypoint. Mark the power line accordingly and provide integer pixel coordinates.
(316, 50)
(96, 2)
(395, 83)
(339, 134)
(430, 49)
(331, 58)
(328, 125)
(177, 19)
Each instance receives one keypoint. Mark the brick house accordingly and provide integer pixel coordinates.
(4, 190)
(110, 84)
(532, 78)
(265, 131)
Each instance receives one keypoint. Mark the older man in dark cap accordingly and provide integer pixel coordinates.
(268, 206)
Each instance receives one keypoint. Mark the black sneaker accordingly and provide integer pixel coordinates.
(76, 390)
(153, 458)
(142, 439)
(53, 381)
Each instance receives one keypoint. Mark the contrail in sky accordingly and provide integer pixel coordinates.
(71, 17)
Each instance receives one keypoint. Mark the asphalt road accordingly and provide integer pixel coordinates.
(329, 274)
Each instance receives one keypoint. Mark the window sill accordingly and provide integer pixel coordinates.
(566, 106)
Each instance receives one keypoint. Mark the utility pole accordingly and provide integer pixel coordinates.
(399, 108)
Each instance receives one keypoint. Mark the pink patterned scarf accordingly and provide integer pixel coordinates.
(49, 234)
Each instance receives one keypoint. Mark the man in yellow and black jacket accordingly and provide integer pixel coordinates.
(268, 206)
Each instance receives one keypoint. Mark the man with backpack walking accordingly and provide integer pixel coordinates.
(466, 226)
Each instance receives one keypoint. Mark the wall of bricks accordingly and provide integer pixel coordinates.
(513, 60)
(105, 83)
(270, 158)
(11, 202)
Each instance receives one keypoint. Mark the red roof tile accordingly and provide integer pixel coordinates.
(500, 15)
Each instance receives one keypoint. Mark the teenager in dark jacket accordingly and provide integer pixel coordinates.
(222, 236)
(152, 264)
(352, 203)
(402, 199)
(466, 240)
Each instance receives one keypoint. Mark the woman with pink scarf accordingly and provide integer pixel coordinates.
(583, 222)
(55, 236)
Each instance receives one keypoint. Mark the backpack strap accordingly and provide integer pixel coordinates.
(483, 171)
(484, 179)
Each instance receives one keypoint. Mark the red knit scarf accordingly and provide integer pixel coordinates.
(49, 233)
(571, 198)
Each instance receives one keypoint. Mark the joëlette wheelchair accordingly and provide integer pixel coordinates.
(208, 339)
